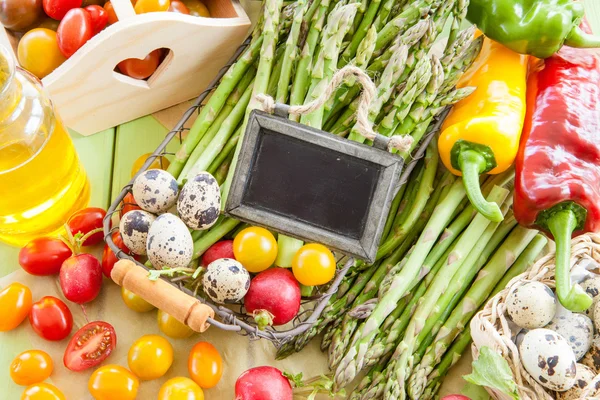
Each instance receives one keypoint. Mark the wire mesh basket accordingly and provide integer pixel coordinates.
(233, 318)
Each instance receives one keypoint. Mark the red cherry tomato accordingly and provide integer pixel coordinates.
(222, 249)
(455, 397)
(44, 256)
(141, 69)
(99, 18)
(57, 9)
(128, 204)
(75, 29)
(81, 278)
(179, 7)
(108, 256)
(110, 12)
(90, 345)
(86, 220)
(51, 318)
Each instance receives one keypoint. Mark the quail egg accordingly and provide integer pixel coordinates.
(531, 305)
(226, 281)
(134, 227)
(577, 329)
(199, 202)
(170, 243)
(582, 379)
(592, 287)
(155, 191)
(592, 357)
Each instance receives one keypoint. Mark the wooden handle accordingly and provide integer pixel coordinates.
(162, 295)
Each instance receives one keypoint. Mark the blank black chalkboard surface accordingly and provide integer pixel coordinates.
(313, 185)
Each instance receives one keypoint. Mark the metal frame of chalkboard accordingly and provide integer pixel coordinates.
(233, 318)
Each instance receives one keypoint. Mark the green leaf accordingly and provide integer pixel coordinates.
(474, 392)
(296, 379)
(491, 370)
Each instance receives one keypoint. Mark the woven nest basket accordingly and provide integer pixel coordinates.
(492, 327)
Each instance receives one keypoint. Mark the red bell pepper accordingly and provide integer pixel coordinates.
(557, 181)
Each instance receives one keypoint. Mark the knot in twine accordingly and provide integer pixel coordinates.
(363, 125)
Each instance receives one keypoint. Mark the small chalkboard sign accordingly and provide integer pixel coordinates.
(313, 185)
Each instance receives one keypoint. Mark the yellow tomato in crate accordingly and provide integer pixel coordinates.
(42, 391)
(146, 6)
(38, 52)
(255, 248)
(15, 305)
(158, 163)
(205, 365)
(113, 382)
(313, 265)
(32, 366)
(197, 8)
(150, 357)
(180, 389)
(135, 302)
(173, 328)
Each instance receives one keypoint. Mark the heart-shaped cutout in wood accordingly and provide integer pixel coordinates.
(146, 69)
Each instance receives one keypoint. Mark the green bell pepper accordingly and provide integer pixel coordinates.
(536, 27)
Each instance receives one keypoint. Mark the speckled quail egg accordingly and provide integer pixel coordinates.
(592, 287)
(155, 191)
(531, 305)
(169, 243)
(226, 281)
(134, 227)
(582, 379)
(577, 329)
(548, 358)
(596, 317)
(592, 357)
(199, 202)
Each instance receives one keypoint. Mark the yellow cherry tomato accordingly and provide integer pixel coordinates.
(15, 305)
(180, 389)
(197, 8)
(146, 6)
(205, 365)
(158, 163)
(150, 357)
(173, 328)
(38, 52)
(135, 302)
(32, 366)
(113, 382)
(313, 265)
(255, 248)
(42, 391)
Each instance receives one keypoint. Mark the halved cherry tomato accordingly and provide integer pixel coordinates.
(222, 249)
(20, 15)
(57, 9)
(140, 69)
(172, 327)
(42, 391)
(158, 163)
(128, 204)
(205, 365)
(313, 265)
(44, 256)
(113, 382)
(135, 302)
(197, 8)
(15, 305)
(146, 6)
(150, 357)
(99, 18)
(90, 345)
(255, 248)
(180, 389)
(32, 366)
(75, 29)
(86, 220)
(179, 7)
(108, 256)
(51, 318)
(38, 52)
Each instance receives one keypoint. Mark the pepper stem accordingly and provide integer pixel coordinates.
(472, 164)
(579, 39)
(573, 297)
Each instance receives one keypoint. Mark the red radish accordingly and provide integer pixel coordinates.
(263, 383)
(222, 249)
(274, 296)
(455, 397)
(81, 278)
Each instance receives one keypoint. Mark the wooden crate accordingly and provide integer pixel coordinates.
(91, 96)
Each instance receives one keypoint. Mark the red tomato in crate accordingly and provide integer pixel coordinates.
(90, 345)
(57, 9)
(147, 6)
(99, 18)
(38, 52)
(74, 31)
(44, 256)
(141, 69)
(85, 221)
(179, 7)
(108, 256)
(20, 15)
(51, 318)
(222, 249)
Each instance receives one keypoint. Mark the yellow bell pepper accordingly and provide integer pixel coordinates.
(481, 133)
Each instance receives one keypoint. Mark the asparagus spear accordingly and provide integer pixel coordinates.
(394, 208)
(226, 153)
(220, 175)
(360, 33)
